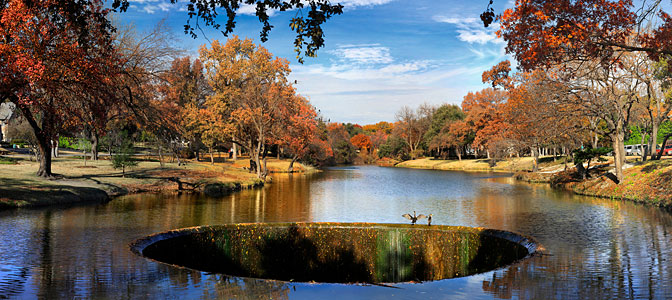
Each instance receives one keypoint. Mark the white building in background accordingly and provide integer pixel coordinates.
(6, 113)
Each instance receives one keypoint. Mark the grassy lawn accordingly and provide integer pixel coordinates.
(649, 182)
(275, 165)
(508, 165)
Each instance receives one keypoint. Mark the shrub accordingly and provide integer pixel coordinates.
(123, 158)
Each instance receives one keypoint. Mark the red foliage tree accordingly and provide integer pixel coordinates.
(51, 57)
(299, 129)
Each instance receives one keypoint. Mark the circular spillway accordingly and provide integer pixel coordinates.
(338, 252)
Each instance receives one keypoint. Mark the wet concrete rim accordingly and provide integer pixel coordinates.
(532, 246)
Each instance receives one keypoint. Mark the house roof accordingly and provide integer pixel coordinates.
(6, 110)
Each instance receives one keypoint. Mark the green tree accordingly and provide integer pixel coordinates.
(394, 147)
(123, 158)
(585, 156)
(443, 116)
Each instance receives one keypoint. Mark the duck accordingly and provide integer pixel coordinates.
(414, 218)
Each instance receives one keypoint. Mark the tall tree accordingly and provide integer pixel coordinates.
(298, 128)
(52, 54)
(578, 37)
(483, 116)
(250, 84)
(444, 115)
(412, 124)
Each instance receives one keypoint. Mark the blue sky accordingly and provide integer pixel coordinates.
(380, 55)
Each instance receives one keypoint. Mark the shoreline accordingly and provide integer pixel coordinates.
(97, 182)
(648, 183)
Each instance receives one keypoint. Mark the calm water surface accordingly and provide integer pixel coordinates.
(598, 248)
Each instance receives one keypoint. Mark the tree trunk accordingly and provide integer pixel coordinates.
(160, 156)
(257, 153)
(265, 170)
(458, 150)
(654, 140)
(94, 146)
(641, 146)
(54, 147)
(85, 157)
(555, 154)
(291, 164)
(212, 158)
(235, 151)
(662, 147)
(619, 152)
(535, 164)
(596, 140)
(581, 170)
(43, 140)
(177, 157)
(44, 156)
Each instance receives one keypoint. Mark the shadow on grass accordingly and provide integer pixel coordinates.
(29, 193)
(182, 184)
(655, 165)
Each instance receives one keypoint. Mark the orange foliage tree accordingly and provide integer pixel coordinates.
(250, 92)
(483, 116)
(362, 142)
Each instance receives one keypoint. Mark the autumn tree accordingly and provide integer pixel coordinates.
(52, 55)
(377, 139)
(459, 135)
(442, 117)
(298, 129)
(412, 124)
(585, 41)
(185, 88)
(250, 87)
(534, 113)
(483, 116)
(382, 126)
(339, 139)
(362, 142)
(319, 150)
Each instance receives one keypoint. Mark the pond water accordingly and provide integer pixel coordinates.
(596, 248)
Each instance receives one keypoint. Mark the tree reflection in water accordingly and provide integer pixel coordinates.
(598, 248)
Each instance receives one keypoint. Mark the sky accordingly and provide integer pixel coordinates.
(379, 55)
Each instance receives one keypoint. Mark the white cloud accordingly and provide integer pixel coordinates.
(355, 3)
(152, 8)
(368, 93)
(247, 9)
(251, 10)
(363, 54)
(476, 36)
(471, 30)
